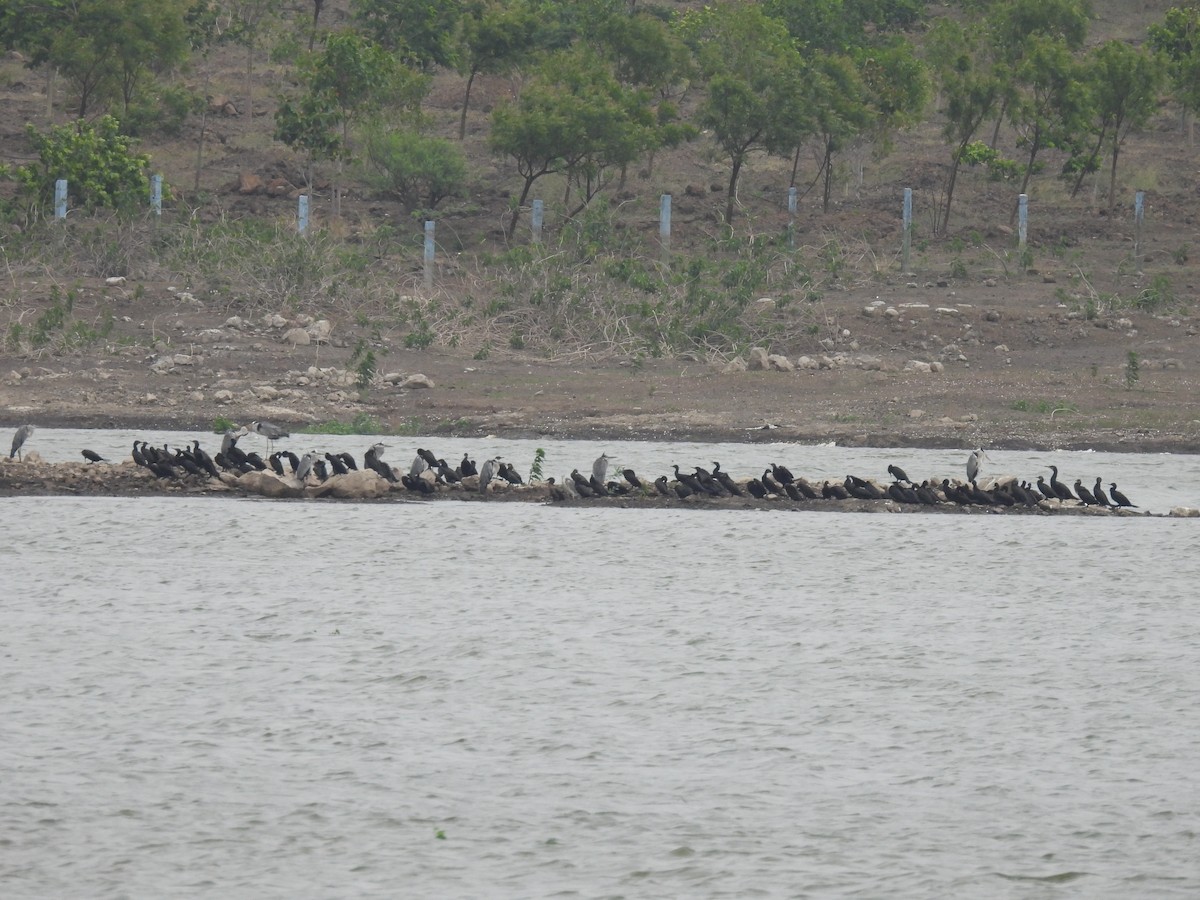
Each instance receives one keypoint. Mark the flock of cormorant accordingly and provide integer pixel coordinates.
(430, 474)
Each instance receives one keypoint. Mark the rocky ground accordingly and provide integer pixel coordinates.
(910, 363)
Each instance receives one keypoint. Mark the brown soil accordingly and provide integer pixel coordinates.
(1033, 357)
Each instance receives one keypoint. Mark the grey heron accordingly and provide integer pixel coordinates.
(19, 440)
(487, 472)
(975, 463)
(271, 432)
(600, 467)
(372, 459)
(419, 465)
(306, 466)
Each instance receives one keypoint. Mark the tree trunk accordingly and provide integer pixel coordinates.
(1034, 146)
(512, 223)
(1112, 177)
(462, 120)
(1083, 172)
(732, 191)
(950, 190)
(51, 80)
(312, 35)
(827, 165)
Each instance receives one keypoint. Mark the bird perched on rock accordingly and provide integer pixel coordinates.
(91, 456)
(19, 440)
(975, 463)
(487, 472)
(600, 467)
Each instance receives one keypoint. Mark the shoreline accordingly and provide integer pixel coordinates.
(35, 478)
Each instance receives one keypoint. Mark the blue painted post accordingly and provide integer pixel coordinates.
(302, 213)
(1139, 215)
(60, 198)
(907, 246)
(539, 210)
(156, 194)
(664, 226)
(792, 218)
(429, 226)
(1022, 220)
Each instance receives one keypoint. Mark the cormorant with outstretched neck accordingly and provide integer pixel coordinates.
(1117, 497)
(1061, 491)
(1101, 497)
(427, 455)
(1084, 494)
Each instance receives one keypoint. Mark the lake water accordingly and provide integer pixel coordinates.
(236, 698)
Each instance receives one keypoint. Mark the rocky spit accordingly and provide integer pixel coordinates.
(32, 477)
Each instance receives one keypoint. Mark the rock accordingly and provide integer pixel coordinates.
(947, 311)
(417, 382)
(892, 313)
(209, 336)
(162, 365)
(183, 359)
(320, 330)
(992, 315)
(1001, 348)
(1184, 512)
(223, 396)
(275, 320)
(235, 322)
(826, 363)
(871, 363)
(297, 337)
(936, 368)
(780, 363)
(1172, 363)
(764, 304)
(115, 281)
(358, 485)
(393, 378)
(916, 413)
(734, 366)
(249, 183)
(918, 366)
(869, 311)
(267, 392)
(807, 362)
(759, 360)
(267, 484)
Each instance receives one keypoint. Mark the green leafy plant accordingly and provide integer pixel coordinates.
(535, 470)
(1132, 370)
(97, 160)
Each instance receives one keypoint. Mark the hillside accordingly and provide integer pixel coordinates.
(1036, 348)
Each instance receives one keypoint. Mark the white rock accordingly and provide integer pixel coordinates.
(1184, 512)
(267, 392)
(393, 378)
(235, 322)
(780, 363)
(417, 382)
(807, 362)
(759, 360)
(320, 331)
(182, 359)
(115, 281)
(297, 337)
(936, 368)
(223, 396)
(734, 366)
(947, 311)
(916, 365)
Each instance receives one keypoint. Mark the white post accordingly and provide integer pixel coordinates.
(664, 225)
(791, 218)
(156, 194)
(538, 213)
(429, 227)
(907, 246)
(1022, 220)
(302, 212)
(1139, 215)
(60, 198)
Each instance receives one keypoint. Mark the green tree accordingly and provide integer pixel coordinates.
(249, 22)
(494, 36)
(1051, 107)
(1125, 84)
(758, 86)
(418, 169)
(1177, 38)
(349, 81)
(573, 117)
(970, 91)
(99, 163)
(420, 32)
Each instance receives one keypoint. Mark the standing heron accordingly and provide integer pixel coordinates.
(271, 432)
(974, 463)
(19, 440)
(487, 472)
(600, 467)
(307, 461)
